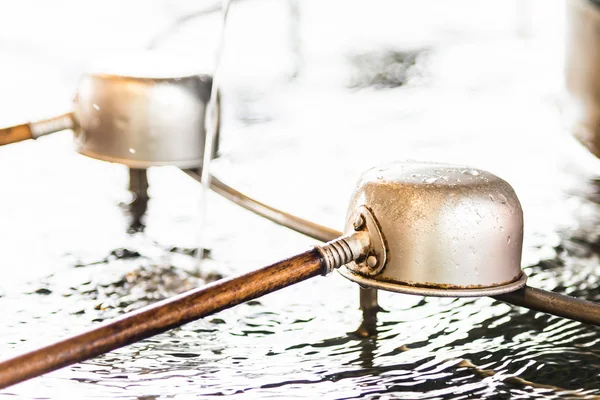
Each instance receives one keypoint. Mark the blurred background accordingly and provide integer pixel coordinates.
(314, 93)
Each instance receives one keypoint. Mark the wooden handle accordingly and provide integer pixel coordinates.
(15, 134)
(161, 317)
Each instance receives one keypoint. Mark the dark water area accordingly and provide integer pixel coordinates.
(301, 121)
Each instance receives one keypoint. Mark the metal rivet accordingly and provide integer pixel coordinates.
(371, 261)
(359, 222)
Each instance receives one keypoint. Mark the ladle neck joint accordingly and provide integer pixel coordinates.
(343, 250)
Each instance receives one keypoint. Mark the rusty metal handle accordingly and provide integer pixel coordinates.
(33, 130)
(162, 316)
(554, 303)
(308, 228)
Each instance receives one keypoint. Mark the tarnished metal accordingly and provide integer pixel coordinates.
(369, 282)
(142, 120)
(375, 260)
(343, 250)
(359, 222)
(448, 230)
(47, 126)
(554, 303)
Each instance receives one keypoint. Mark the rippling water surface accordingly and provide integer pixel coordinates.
(323, 91)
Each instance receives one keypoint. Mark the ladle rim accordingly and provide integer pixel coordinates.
(141, 164)
(433, 291)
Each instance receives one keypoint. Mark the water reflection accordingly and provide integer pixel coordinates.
(387, 69)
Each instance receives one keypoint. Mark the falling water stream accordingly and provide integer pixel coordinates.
(472, 92)
(212, 123)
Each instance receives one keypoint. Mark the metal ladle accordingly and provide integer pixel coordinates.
(139, 116)
(442, 230)
(400, 234)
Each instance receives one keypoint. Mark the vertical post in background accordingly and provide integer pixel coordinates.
(370, 307)
(138, 186)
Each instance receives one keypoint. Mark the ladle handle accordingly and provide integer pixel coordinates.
(15, 134)
(308, 228)
(554, 303)
(33, 130)
(162, 316)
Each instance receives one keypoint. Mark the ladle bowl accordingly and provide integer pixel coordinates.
(446, 231)
(144, 118)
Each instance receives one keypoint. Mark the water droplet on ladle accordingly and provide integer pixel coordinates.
(472, 172)
(431, 179)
